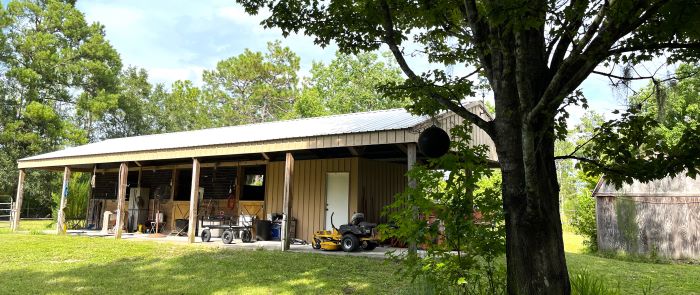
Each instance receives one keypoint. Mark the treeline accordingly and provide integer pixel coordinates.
(63, 84)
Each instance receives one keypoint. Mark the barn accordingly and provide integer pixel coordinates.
(304, 169)
(660, 217)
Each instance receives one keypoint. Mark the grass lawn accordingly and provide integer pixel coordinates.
(633, 277)
(31, 225)
(38, 264)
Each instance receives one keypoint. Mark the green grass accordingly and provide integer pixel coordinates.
(573, 243)
(632, 277)
(38, 264)
(30, 225)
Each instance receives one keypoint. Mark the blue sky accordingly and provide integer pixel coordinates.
(179, 39)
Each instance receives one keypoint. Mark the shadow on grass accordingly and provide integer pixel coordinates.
(200, 272)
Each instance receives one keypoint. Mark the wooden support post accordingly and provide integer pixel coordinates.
(239, 188)
(287, 203)
(411, 161)
(17, 210)
(88, 208)
(194, 201)
(61, 218)
(121, 197)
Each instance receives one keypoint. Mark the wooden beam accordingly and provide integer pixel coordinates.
(17, 210)
(239, 188)
(61, 218)
(411, 161)
(188, 166)
(174, 178)
(266, 156)
(194, 201)
(91, 186)
(137, 163)
(353, 151)
(121, 197)
(287, 203)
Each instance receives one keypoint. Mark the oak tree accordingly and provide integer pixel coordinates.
(534, 56)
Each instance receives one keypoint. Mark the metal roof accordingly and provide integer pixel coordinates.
(393, 119)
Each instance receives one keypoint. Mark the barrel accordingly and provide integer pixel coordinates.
(263, 229)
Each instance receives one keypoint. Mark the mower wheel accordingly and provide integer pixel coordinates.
(369, 246)
(206, 235)
(246, 236)
(227, 237)
(316, 244)
(350, 243)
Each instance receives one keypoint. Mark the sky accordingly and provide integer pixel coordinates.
(177, 40)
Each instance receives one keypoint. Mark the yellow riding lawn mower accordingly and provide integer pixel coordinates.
(351, 237)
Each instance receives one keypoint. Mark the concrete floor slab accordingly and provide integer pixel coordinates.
(379, 252)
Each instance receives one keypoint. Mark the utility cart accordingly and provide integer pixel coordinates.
(231, 230)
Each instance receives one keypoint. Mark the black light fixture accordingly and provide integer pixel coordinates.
(434, 142)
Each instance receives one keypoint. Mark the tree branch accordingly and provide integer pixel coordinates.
(658, 46)
(590, 161)
(390, 40)
(577, 67)
(480, 34)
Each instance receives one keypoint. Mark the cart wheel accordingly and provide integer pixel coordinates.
(246, 236)
(206, 235)
(316, 244)
(369, 246)
(227, 237)
(350, 243)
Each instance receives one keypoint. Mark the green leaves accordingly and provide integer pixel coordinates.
(253, 87)
(460, 220)
(634, 147)
(350, 84)
(59, 76)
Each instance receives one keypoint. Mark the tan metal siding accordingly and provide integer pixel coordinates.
(309, 190)
(479, 137)
(379, 182)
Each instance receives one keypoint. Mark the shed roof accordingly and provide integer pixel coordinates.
(382, 127)
(328, 125)
(677, 186)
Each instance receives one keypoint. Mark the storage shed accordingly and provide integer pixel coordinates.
(660, 217)
(305, 170)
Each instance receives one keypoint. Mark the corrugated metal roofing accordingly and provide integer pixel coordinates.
(330, 125)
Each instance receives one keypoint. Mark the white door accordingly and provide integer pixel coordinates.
(337, 194)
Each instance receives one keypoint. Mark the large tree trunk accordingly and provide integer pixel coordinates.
(534, 246)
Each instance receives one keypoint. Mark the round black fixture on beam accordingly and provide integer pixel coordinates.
(434, 142)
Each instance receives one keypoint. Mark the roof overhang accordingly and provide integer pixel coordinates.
(401, 136)
(343, 131)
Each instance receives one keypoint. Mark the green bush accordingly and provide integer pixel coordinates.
(76, 204)
(455, 214)
(583, 220)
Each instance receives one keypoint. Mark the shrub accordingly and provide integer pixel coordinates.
(455, 214)
(583, 220)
